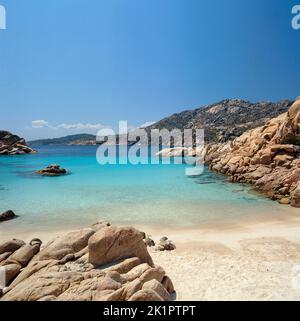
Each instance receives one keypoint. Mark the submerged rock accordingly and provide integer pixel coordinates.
(52, 170)
(8, 215)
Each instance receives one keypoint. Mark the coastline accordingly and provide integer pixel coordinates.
(251, 260)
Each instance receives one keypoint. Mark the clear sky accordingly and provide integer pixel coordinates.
(69, 66)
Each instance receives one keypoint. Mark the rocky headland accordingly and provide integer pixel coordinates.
(100, 263)
(267, 157)
(13, 145)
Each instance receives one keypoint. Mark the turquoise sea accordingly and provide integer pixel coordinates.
(126, 194)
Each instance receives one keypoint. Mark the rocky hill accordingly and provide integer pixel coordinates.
(267, 157)
(226, 119)
(13, 145)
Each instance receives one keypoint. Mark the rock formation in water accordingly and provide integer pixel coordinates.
(52, 170)
(13, 145)
(267, 157)
(6, 216)
(101, 263)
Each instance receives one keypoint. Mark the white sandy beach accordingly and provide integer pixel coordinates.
(256, 263)
(249, 261)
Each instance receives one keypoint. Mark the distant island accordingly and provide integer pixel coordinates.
(79, 139)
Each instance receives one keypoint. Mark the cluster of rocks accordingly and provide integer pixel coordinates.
(52, 170)
(13, 145)
(7, 215)
(101, 263)
(267, 157)
(164, 244)
(14, 256)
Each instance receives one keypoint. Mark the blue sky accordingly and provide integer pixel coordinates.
(77, 64)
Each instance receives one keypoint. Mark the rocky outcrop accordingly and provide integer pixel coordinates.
(101, 263)
(52, 170)
(13, 145)
(267, 157)
(111, 243)
(165, 244)
(6, 216)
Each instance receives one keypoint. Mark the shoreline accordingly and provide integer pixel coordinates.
(288, 216)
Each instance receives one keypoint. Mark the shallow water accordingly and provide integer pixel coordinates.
(124, 194)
